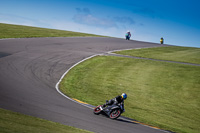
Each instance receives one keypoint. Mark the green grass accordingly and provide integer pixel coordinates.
(18, 31)
(172, 53)
(12, 122)
(161, 94)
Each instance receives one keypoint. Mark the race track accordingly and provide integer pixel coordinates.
(30, 69)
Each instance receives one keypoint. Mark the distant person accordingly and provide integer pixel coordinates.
(128, 35)
(161, 40)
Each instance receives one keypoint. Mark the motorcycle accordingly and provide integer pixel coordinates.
(127, 37)
(113, 111)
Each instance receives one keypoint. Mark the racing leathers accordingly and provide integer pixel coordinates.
(116, 101)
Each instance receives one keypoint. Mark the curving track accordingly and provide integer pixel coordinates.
(30, 69)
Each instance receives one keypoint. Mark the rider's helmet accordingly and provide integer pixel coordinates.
(124, 96)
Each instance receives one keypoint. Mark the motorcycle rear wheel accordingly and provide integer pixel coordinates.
(115, 114)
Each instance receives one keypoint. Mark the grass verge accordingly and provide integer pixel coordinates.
(172, 53)
(12, 122)
(161, 94)
(19, 31)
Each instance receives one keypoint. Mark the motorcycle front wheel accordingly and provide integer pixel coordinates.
(115, 114)
(97, 110)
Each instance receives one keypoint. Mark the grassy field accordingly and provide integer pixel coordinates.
(161, 94)
(173, 53)
(12, 122)
(18, 31)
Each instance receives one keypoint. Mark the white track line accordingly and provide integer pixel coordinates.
(57, 85)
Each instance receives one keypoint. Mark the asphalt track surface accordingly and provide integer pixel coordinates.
(31, 67)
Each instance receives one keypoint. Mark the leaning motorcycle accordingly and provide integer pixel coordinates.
(113, 111)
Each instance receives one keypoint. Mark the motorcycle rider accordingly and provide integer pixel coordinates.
(161, 40)
(128, 35)
(117, 100)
